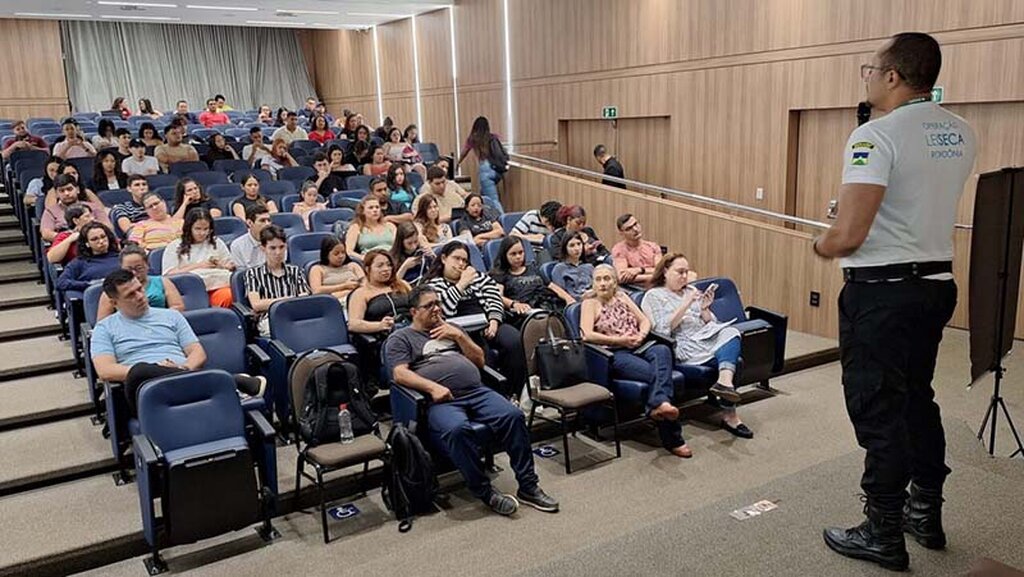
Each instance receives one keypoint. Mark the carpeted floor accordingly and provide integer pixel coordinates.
(652, 514)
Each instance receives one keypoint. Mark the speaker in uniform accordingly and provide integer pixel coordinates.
(903, 174)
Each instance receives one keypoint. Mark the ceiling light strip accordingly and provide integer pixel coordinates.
(50, 15)
(416, 76)
(318, 12)
(455, 76)
(159, 18)
(509, 130)
(222, 8)
(376, 68)
(139, 4)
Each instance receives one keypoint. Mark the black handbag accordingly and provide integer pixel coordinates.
(560, 362)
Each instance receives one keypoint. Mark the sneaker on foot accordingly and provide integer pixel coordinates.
(502, 504)
(538, 499)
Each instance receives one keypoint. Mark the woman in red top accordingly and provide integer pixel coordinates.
(321, 132)
(121, 106)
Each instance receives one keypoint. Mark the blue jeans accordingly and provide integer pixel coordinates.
(489, 185)
(450, 430)
(654, 366)
(728, 355)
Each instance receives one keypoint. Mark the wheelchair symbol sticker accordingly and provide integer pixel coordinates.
(546, 451)
(346, 511)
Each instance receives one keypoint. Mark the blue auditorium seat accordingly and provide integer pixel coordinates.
(188, 167)
(305, 247)
(291, 223)
(323, 220)
(192, 289)
(207, 178)
(228, 228)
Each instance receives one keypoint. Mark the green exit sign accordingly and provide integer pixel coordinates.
(610, 112)
(937, 93)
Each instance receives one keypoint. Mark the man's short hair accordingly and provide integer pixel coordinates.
(549, 210)
(219, 97)
(255, 129)
(319, 156)
(63, 180)
(211, 100)
(622, 220)
(292, 114)
(916, 57)
(135, 178)
(169, 128)
(435, 172)
(416, 295)
(600, 150)
(272, 232)
(185, 102)
(376, 180)
(18, 123)
(116, 280)
(254, 210)
(122, 131)
(75, 212)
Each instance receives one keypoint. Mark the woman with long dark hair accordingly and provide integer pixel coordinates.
(335, 273)
(219, 150)
(149, 135)
(97, 257)
(106, 173)
(320, 130)
(383, 299)
(411, 256)
(523, 288)
(146, 109)
(369, 230)
(189, 194)
(465, 291)
(105, 137)
(571, 273)
(433, 232)
(398, 184)
(480, 141)
(201, 253)
(120, 106)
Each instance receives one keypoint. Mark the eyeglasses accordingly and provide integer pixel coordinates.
(634, 226)
(865, 70)
(434, 304)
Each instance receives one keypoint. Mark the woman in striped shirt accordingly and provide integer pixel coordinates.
(159, 229)
(465, 291)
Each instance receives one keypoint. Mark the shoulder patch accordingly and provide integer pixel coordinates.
(860, 158)
(863, 144)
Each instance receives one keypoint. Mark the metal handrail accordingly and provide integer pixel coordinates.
(683, 194)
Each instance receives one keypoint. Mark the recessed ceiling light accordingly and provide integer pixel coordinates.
(141, 4)
(271, 23)
(51, 15)
(163, 18)
(378, 14)
(223, 8)
(320, 12)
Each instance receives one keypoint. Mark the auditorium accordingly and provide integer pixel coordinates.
(511, 287)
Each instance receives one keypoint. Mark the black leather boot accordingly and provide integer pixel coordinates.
(878, 539)
(922, 517)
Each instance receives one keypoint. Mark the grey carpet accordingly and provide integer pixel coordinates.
(21, 322)
(43, 450)
(35, 395)
(37, 354)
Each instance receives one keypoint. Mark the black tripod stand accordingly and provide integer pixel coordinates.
(994, 405)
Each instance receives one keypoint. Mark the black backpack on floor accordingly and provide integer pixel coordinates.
(329, 380)
(410, 483)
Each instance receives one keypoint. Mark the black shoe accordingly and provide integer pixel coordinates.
(922, 517)
(878, 539)
(724, 392)
(741, 430)
(538, 499)
(502, 504)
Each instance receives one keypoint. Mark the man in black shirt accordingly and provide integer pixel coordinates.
(610, 165)
(393, 211)
(327, 181)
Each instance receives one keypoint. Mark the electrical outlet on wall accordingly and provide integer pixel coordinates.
(815, 298)
(759, 193)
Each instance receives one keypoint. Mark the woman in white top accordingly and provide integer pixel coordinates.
(201, 253)
(105, 135)
(309, 202)
(432, 231)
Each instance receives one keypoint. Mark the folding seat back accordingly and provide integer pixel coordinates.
(156, 261)
(509, 219)
(428, 152)
(230, 166)
(209, 177)
(323, 220)
(85, 169)
(228, 228)
(305, 247)
(311, 322)
(193, 291)
(157, 180)
(415, 180)
(296, 174)
(357, 182)
(347, 198)
(111, 197)
(188, 167)
(291, 223)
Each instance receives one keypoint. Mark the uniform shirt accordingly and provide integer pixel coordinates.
(157, 335)
(923, 155)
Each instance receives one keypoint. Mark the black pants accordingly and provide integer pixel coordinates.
(507, 346)
(889, 334)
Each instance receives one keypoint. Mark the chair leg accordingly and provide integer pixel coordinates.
(155, 564)
(565, 442)
(323, 506)
(299, 462)
(615, 428)
(362, 480)
(533, 411)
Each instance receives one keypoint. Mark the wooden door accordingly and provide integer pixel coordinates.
(640, 144)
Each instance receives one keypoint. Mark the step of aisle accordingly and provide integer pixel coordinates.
(28, 401)
(28, 357)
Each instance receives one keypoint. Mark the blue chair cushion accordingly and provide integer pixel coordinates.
(631, 392)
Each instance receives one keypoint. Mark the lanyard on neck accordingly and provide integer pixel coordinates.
(917, 100)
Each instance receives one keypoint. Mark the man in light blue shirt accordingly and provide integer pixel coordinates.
(139, 342)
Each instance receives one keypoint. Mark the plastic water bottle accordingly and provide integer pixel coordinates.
(345, 424)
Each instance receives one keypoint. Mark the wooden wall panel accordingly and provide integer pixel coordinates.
(479, 38)
(344, 67)
(30, 57)
(394, 41)
(401, 109)
(439, 122)
(434, 39)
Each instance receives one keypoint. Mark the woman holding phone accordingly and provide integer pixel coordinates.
(681, 311)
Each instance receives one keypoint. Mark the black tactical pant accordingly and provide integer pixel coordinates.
(889, 334)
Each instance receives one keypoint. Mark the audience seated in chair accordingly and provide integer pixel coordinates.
(123, 150)
(369, 230)
(320, 130)
(404, 153)
(467, 291)
(376, 164)
(433, 232)
(683, 313)
(175, 150)
(105, 135)
(140, 342)
(189, 194)
(74, 144)
(67, 192)
(571, 273)
(522, 287)
(612, 319)
(275, 279)
(246, 250)
(572, 218)
(159, 229)
(126, 214)
(309, 202)
(479, 221)
(335, 274)
(535, 225)
(394, 212)
(43, 185)
(442, 361)
(138, 162)
(291, 131)
(64, 248)
(279, 158)
(160, 291)
(66, 167)
(201, 253)
(106, 173)
(23, 140)
(327, 181)
(448, 194)
(412, 256)
(212, 116)
(251, 196)
(382, 301)
(257, 151)
(219, 150)
(339, 163)
(635, 257)
(97, 256)
(149, 135)
(399, 186)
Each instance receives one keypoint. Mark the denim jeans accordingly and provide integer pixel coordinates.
(654, 366)
(489, 185)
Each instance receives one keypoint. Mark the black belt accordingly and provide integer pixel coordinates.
(895, 272)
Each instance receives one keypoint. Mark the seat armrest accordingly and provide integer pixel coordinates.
(261, 425)
(661, 338)
(599, 366)
(599, 350)
(408, 405)
(283, 350)
(493, 378)
(361, 340)
(780, 323)
(248, 319)
(256, 356)
(146, 453)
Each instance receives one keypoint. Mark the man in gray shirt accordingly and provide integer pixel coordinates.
(246, 250)
(440, 360)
